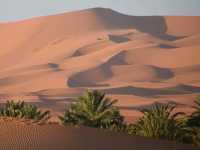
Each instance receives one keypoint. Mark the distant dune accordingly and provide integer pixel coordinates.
(139, 60)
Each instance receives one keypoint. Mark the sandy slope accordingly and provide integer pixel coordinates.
(19, 136)
(139, 60)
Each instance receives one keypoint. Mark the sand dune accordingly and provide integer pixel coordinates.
(138, 59)
(51, 137)
(183, 26)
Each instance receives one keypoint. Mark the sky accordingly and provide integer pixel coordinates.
(11, 10)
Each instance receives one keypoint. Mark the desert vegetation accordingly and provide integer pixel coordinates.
(93, 109)
(159, 122)
(193, 123)
(22, 110)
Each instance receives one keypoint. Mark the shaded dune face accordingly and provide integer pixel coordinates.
(154, 25)
(178, 90)
(136, 59)
(107, 71)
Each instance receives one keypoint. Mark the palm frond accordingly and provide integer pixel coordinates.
(93, 109)
(23, 111)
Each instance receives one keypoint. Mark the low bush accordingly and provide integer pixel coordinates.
(23, 110)
(159, 122)
(93, 109)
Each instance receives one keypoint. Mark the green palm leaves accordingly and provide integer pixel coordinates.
(194, 123)
(12, 109)
(159, 122)
(22, 110)
(194, 119)
(93, 109)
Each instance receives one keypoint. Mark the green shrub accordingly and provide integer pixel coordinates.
(194, 123)
(23, 111)
(95, 110)
(194, 119)
(159, 122)
(12, 109)
(196, 136)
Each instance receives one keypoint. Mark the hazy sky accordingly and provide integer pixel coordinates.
(20, 9)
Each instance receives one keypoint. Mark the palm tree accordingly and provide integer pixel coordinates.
(93, 109)
(31, 112)
(12, 109)
(196, 136)
(194, 123)
(194, 119)
(159, 122)
(23, 111)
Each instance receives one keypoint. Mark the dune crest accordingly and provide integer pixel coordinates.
(138, 59)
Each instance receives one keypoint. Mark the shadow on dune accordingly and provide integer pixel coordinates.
(165, 46)
(153, 92)
(91, 77)
(56, 99)
(56, 103)
(91, 48)
(149, 106)
(104, 72)
(18, 76)
(154, 25)
(162, 73)
(118, 38)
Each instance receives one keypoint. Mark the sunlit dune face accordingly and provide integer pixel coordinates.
(138, 60)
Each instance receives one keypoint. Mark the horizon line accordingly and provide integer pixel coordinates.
(84, 9)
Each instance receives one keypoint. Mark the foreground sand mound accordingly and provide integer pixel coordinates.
(136, 59)
(19, 136)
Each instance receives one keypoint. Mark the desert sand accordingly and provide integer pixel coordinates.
(15, 135)
(139, 60)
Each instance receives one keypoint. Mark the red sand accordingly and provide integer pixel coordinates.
(139, 60)
(18, 136)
